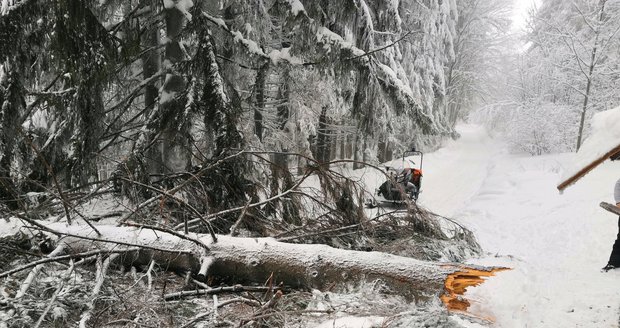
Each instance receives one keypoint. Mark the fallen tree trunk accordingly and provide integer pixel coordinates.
(243, 260)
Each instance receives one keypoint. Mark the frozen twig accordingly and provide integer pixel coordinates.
(102, 269)
(236, 209)
(233, 229)
(200, 284)
(263, 309)
(27, 283)
(172, 232)
(149, 275)
(219, 290)
(33, 274)
(63, 280)
(51, 258)
(201, 316)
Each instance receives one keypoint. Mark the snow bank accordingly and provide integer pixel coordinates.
(296, 7)
(604, 137)
(555, 244)
(9, 226)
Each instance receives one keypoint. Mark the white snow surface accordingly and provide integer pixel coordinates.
(604, 137)
(327, 37)
(2, 76)
(9, 226)
(250, 45)
(296, 7)
(5, 5)
(284, 54)
(555, 244)
(353, 322)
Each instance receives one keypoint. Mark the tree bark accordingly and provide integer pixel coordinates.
(172, 100)
(151, 64)
(322, 139)
(11, 106)
(259, 106)
(254, 260)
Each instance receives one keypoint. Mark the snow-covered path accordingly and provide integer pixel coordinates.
(556, 244)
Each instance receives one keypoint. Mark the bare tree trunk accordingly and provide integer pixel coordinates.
(342, 146)
(301, 162)
(171, 102)
(151, 64)
(382, 150)
(322, 140)
(151, 61)
(356, 152)
(589, 77)
(259, 106)
(11, 106)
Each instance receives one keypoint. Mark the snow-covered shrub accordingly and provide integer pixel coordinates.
(532, 128)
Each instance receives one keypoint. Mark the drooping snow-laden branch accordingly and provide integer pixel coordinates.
(192, 178)
(392, 86)
(245, 207)
(403, 37)
(61, 194)
(250, 45)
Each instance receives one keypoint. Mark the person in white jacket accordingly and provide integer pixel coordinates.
(614, 258)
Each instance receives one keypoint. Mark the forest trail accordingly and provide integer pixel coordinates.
(556, 244)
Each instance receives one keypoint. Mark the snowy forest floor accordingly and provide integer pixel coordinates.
(556, 244)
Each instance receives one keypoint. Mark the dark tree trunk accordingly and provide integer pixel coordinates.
(381, 150)
(281, 176)
(229, 186)
(172, 101)
(86, 51)
(322, 140)
(151, 64)
(259, 106)
(151, 60)
(89, 127)
(357, 151)
(11, 107)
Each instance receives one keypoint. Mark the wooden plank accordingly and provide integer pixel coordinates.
(610, 207)
(588, 168)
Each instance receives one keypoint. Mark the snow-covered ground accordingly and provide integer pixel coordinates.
(556, 244)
